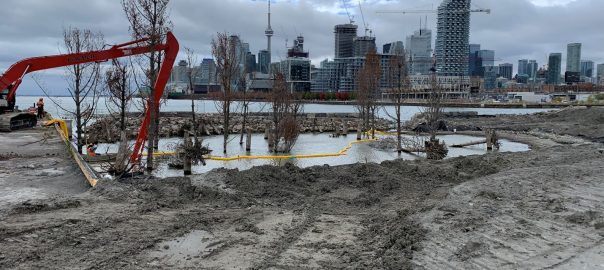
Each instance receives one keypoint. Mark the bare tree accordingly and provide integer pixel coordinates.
(119, 94)
(118, 91)
(398, 82)
(433, 110)
(368, 91)
(192, 73)
(244, 100)
(285, 111)
(83, 79)
(149, 19)
(224, 50)
(433, 113)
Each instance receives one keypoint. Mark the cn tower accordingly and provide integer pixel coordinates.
(269, 33)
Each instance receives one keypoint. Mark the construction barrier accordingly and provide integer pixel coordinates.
(342, 152)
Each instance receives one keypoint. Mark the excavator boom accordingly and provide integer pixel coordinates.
(12, 78)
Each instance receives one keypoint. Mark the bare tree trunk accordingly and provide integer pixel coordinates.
(224, 50)
(149, 18)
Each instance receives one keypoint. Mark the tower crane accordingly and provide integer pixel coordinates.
(423, 11)
(350, 17)
(363, 17)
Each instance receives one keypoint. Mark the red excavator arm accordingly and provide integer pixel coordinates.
(12, 77)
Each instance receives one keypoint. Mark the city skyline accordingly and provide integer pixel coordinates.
(195, 23)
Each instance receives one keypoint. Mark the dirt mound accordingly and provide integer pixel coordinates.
(587, 123)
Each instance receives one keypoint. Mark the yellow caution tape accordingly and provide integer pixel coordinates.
(219, 158)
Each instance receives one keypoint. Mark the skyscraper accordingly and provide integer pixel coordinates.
(523, 67)
(531, 69)
(452, 37)
(473, 60)
(419, 52)
(506, 70)
(269, 33)
(344, 40)
(490, 77)
(264, 61)
(573, 61)
(554, 68)
(587, 68)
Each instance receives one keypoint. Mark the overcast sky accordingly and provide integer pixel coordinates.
(515, 29)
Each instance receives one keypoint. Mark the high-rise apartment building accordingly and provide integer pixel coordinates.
(554, 68)
(473, 60)
(506, 70)
(419, 52)
(344, 40)
(452, 37)
(573, 60)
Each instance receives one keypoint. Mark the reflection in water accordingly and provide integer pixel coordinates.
(310, 144)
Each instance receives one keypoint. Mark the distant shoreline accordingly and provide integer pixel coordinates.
(415, 103)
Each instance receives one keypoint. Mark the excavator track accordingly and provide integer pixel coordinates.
(15, 121)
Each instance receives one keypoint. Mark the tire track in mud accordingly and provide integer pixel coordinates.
(308, 217)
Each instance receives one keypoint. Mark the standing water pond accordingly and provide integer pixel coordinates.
(308, 144)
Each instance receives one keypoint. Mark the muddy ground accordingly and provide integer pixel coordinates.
(541, 209)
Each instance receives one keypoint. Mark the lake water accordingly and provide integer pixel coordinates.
(54, 105)
(309, 144)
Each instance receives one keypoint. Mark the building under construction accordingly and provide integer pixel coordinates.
(452, 38)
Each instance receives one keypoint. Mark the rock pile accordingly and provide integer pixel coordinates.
(106, 130)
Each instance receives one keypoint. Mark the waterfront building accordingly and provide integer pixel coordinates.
(506, 70)
(344, 40)
(452, 38)
(473, 60)
(573, 60)
(554, 68)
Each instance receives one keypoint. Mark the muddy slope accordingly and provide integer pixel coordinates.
(587, 123)
(535, 210)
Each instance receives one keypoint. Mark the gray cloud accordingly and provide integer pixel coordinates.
(515, 29)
